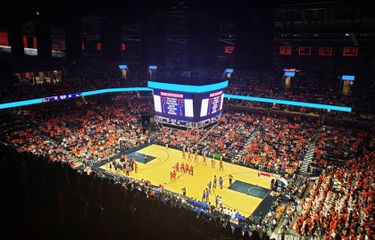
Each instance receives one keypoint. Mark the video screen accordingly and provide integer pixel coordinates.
(173, 104)
(212, 103)
(188, 106)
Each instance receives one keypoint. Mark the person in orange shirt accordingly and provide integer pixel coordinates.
(177, 167)
(127, 170)
(191, 170)
(171, 175)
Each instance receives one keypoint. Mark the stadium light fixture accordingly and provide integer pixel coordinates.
(289, 74)
(152, 67)
(348, 77)
(123, 66)
(229, 70)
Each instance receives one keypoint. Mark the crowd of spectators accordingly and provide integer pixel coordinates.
(318, 81)
(273, 143)
(340, 203)
(338, 144)
(51, 200)
(52, 196)
(90, 131)
(280, 144)
(81, 131)
(226, 138)
(78, 75)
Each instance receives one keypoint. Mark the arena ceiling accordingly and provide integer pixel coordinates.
(136, 10)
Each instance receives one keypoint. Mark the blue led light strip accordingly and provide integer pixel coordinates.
(114, 90)
(187, 88)
(291, 103)
(21, 103)
(89, 93)
(229, 96)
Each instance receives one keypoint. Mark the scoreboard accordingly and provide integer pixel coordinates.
(183, 106)
(173, 104)
(188, 105)
(212, 104)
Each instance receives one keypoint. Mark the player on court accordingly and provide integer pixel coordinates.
(209, 185)
(189, 154)
(204, 195)
(182, 167)
(174, 174)
(204, 158)
(186, 168)
(212, 163)
(221, 165)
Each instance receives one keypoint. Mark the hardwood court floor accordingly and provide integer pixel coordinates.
(157, 171)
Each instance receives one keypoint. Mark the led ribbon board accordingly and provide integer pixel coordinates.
(291, 103)
(114, 90)
(83, 94)
(187, 88)
(21, 103)
(228, 96)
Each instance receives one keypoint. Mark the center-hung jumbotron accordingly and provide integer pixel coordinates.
(188, 104)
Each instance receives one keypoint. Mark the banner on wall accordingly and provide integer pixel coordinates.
(216, 155)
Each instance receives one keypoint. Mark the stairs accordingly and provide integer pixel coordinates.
(207, 133)
(310, 152)
(247, 143)
(308, 158)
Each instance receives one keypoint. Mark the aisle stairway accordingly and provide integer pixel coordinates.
(310, 152)
(308, 158)
(247, 143)
(207, 133)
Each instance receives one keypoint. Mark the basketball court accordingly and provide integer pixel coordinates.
(245, 194)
